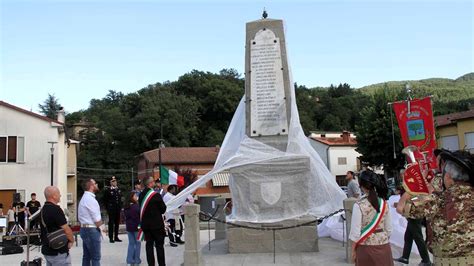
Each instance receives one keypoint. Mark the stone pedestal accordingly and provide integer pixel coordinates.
(192, 252)
(270, 190)
(220, 227)
(297, 239)
(348, 205)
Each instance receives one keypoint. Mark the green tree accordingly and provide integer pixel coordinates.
(217, 97)
(50, 106)
(306, 104)
(374, 132)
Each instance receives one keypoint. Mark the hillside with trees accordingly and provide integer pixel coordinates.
(196, 110)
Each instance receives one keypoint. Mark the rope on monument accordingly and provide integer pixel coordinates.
(202, 216)
(207, 217)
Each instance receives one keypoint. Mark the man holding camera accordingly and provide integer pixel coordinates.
(52, 219)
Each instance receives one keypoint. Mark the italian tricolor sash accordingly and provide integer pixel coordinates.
(149, 195)
(370, 228)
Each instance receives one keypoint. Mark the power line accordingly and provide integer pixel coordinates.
(102, 169)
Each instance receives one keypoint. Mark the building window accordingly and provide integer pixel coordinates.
(469, 141)
(341, 160)
(450, 143)
(12, 149)
(3, 149)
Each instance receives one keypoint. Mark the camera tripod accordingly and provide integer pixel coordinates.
(17, 227)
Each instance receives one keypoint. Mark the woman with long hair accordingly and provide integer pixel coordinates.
(371, 223)
(132, 219)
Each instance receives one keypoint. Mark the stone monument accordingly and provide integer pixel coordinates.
(263, 185)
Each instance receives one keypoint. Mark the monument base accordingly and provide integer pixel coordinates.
(296, 239)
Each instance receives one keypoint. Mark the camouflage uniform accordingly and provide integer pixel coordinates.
(451, 217)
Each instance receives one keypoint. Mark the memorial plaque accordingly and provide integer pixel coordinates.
(268, 102)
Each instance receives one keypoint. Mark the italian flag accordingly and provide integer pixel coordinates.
(170, 177)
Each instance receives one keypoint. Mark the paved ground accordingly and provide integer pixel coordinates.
(331, 253)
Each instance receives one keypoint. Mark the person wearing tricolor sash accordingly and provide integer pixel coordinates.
(371, 223)
(152, 227)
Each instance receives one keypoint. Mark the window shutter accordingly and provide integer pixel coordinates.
(11, 149)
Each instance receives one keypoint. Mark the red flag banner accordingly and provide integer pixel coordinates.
(417, 127)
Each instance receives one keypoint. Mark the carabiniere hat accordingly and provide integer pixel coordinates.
(461, 158)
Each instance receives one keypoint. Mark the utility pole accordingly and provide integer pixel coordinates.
(161, 146)
(133, 187)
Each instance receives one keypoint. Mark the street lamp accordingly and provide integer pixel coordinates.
(52, 160)
(161, 146)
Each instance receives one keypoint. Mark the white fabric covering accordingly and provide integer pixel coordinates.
(324, 195)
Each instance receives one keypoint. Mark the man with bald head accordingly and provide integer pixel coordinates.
(52, 219)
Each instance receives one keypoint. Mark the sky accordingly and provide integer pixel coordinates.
(79, 50)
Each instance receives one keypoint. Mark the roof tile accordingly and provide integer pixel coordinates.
(181, 155)
(444, 120)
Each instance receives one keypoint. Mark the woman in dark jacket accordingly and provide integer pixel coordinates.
(132, 219)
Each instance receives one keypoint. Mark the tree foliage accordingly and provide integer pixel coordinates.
(374, 132)
(50, 106)
(196, 110)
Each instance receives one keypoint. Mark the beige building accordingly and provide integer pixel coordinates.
(72, 179)
(456, 131)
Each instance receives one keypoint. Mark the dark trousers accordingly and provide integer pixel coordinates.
(10, 226)
(114, 221)
(21, 221)
(175, 235)
(413, 232)
(34, 224)
(155, 238)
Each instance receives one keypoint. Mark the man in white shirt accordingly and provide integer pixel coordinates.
(171, 216)
(91, 224)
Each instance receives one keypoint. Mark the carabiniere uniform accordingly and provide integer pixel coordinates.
(114, 198)
(451, 216)
(113, 203)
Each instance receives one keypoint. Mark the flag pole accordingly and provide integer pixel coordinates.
(159, 150)
(408, 90)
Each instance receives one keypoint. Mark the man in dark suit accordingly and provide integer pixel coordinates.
(152, 222)
(113, 204)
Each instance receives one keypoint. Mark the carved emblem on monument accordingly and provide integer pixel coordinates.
(270, 192)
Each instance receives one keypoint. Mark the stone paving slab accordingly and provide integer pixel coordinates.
(331, 253)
